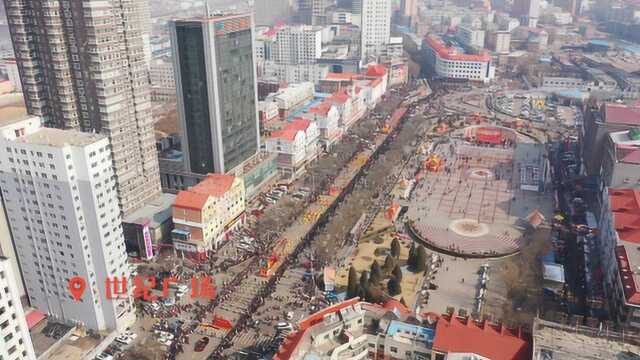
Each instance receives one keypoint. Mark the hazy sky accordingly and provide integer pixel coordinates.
(168, 8)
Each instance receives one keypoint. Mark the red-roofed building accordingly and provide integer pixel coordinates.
(621, 159)
(204, 214)
(349, 105)
(620, 240)
(360, 330)
(376, 70)
(491, 341)
(452, 63)
(296, 144)
(327, 118)
(599, 122)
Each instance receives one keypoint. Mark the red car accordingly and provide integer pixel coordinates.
(201, 344)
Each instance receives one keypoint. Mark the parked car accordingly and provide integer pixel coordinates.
(201, 344)
(124, 339)
(104, 356)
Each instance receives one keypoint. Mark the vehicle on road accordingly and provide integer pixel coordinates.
(124, 339)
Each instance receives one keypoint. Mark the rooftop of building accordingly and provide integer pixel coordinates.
(456, 334)
(153, 213)
(291, 129)
(61, 138)
(622, 114)
(452, 53)
(215, 17)
(625, 208)
(67, 343)
(215, 185)
(450, 334)
(627, 145)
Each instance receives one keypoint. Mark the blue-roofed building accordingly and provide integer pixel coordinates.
(404, 331)
(598, 45)
(359, 330)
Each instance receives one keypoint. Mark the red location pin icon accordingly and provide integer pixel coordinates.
(76, 287)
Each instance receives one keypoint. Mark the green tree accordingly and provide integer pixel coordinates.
(352, 285)
(389, 264)
(373, 294)
(411, 261)
(395, 248)
(393, 286)
(376, 273)
(397, 273)
(421, 259)
(364, 279)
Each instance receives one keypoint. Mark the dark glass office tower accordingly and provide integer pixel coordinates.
(217, 91)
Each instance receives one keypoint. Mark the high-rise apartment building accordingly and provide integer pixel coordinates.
(527, 11)
(409, 8)
(59, 192)
(356, 6)
(12, 127)
(313, 12)
(217, 92)
(376, 26)
(15, 341)
(297, 44)
(84, 66)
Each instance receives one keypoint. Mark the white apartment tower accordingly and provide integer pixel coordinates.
(376, 27)
(298, 44)
(15, 341)
(84, 66)
(59, 193)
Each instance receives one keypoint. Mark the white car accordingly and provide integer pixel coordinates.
(104, 356)
(164, 335)
(131, 334)
(124, 339)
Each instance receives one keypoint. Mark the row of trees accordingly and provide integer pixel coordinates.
(368, 285)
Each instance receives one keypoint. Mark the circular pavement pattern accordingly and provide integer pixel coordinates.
(469, 228)
(481, 174)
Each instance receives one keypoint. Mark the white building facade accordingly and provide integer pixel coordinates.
(294, 74)
(470, 36)
(163, 82)
(295, 145)
(15, 341)
(297, 44)
(449, 63)
(60, 197)
(376, 27)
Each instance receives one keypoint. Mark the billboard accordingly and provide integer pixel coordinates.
(148, 244)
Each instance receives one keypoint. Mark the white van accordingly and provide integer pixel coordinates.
(284, 326)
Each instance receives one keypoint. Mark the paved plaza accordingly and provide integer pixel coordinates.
(474, 204)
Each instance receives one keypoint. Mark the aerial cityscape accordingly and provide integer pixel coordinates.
(320, 179)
